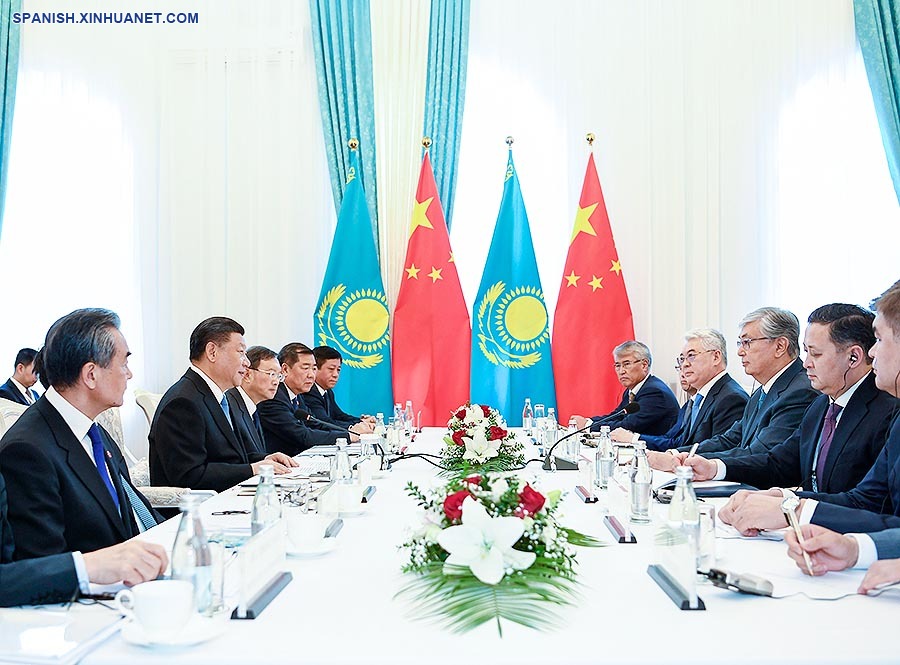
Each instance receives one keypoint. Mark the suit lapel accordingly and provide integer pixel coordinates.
(83, 466)
(856, 410)
(705, 406)
(215, 409)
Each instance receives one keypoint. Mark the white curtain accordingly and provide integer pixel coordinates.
(737, 148)
(399, 66)
(169, 173)
(175, 172)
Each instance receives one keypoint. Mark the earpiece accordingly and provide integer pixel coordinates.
(853, 357)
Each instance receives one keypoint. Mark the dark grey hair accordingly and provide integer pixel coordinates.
(711, 339)
(641, 350)
(84, 336)
(775, 322)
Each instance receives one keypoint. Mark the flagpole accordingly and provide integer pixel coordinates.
(426, 143)
(590, 140)
(509, 142)
(353, 144)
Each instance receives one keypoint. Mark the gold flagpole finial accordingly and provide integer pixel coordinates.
(426, 142)
(590, 139)
(353, 144)
(509, 141)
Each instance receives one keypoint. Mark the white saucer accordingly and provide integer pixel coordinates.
(320, 548)
(363, 508)
(199, 629)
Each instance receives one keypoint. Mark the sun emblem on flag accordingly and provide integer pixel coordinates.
(512, 325)
(355, 323)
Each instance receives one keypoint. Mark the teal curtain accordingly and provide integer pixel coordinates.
(9, 58)
(877, 26)
(342, 42)
(445, 92)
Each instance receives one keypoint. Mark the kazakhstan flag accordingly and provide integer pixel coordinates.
(352, 315)
(511, 335)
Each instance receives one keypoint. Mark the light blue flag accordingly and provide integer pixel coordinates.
(510, 331)
(352, 315)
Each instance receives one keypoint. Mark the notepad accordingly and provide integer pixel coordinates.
(54, 635)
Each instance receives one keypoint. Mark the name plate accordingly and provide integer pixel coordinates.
(261, 562)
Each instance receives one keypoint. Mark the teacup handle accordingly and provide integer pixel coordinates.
(125, 603)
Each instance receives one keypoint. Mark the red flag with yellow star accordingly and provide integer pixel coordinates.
(432, 333)
(593, 314)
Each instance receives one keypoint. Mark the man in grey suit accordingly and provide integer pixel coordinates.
(769, 349)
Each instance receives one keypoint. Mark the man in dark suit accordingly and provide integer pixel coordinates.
(18, 387)
(193, 439)
(874, 504)
(285, 417)
(57, 578)
(837, 342)
(659, 408)
(68, 485)
(260, 384)
(769, 347)
(320, 399)
(718, 400)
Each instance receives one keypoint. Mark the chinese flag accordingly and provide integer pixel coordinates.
(432, 334)
(593, 314)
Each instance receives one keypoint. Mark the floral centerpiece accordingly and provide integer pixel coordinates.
(479, 440)
(490, 548)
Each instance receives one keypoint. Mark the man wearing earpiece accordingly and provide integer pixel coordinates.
(842, 431)
(874, 504)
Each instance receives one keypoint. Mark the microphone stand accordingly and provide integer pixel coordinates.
(553, 463)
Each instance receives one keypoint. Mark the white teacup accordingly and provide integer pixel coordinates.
(162, 608)
(305, 531)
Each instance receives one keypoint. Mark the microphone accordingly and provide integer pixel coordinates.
(631, 407)
(557, 463)
(306, 417)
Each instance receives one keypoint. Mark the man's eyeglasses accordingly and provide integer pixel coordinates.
(689, 358)
(626, 364)
(275, 376)
(745, 342)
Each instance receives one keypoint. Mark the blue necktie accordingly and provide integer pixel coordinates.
(695, 409)
(224, 405)
(100, 460)
(144, 515)
(827, 437)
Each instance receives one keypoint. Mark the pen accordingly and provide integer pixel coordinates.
(789, 507)
(231, 512)
(693, 450)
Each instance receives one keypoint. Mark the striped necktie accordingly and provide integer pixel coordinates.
(140, 509)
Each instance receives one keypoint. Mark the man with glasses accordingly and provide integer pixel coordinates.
(874, 503)
(194, 440)
(659, 408)
(260, 383)
(769, 348)
(842, 432)
(285, 419)
(718, 399)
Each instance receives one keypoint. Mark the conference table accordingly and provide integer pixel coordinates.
(341, 607)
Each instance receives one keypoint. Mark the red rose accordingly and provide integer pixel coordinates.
(486, 410)
(460, 414)
(453, 504)
(530, 500)
(474, 480)
(496, 433)
(458, 437)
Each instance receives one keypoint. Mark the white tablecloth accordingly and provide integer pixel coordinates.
(340, 608)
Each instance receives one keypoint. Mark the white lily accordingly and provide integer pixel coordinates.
(478, 447)
(474, 415)
(484, 544)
